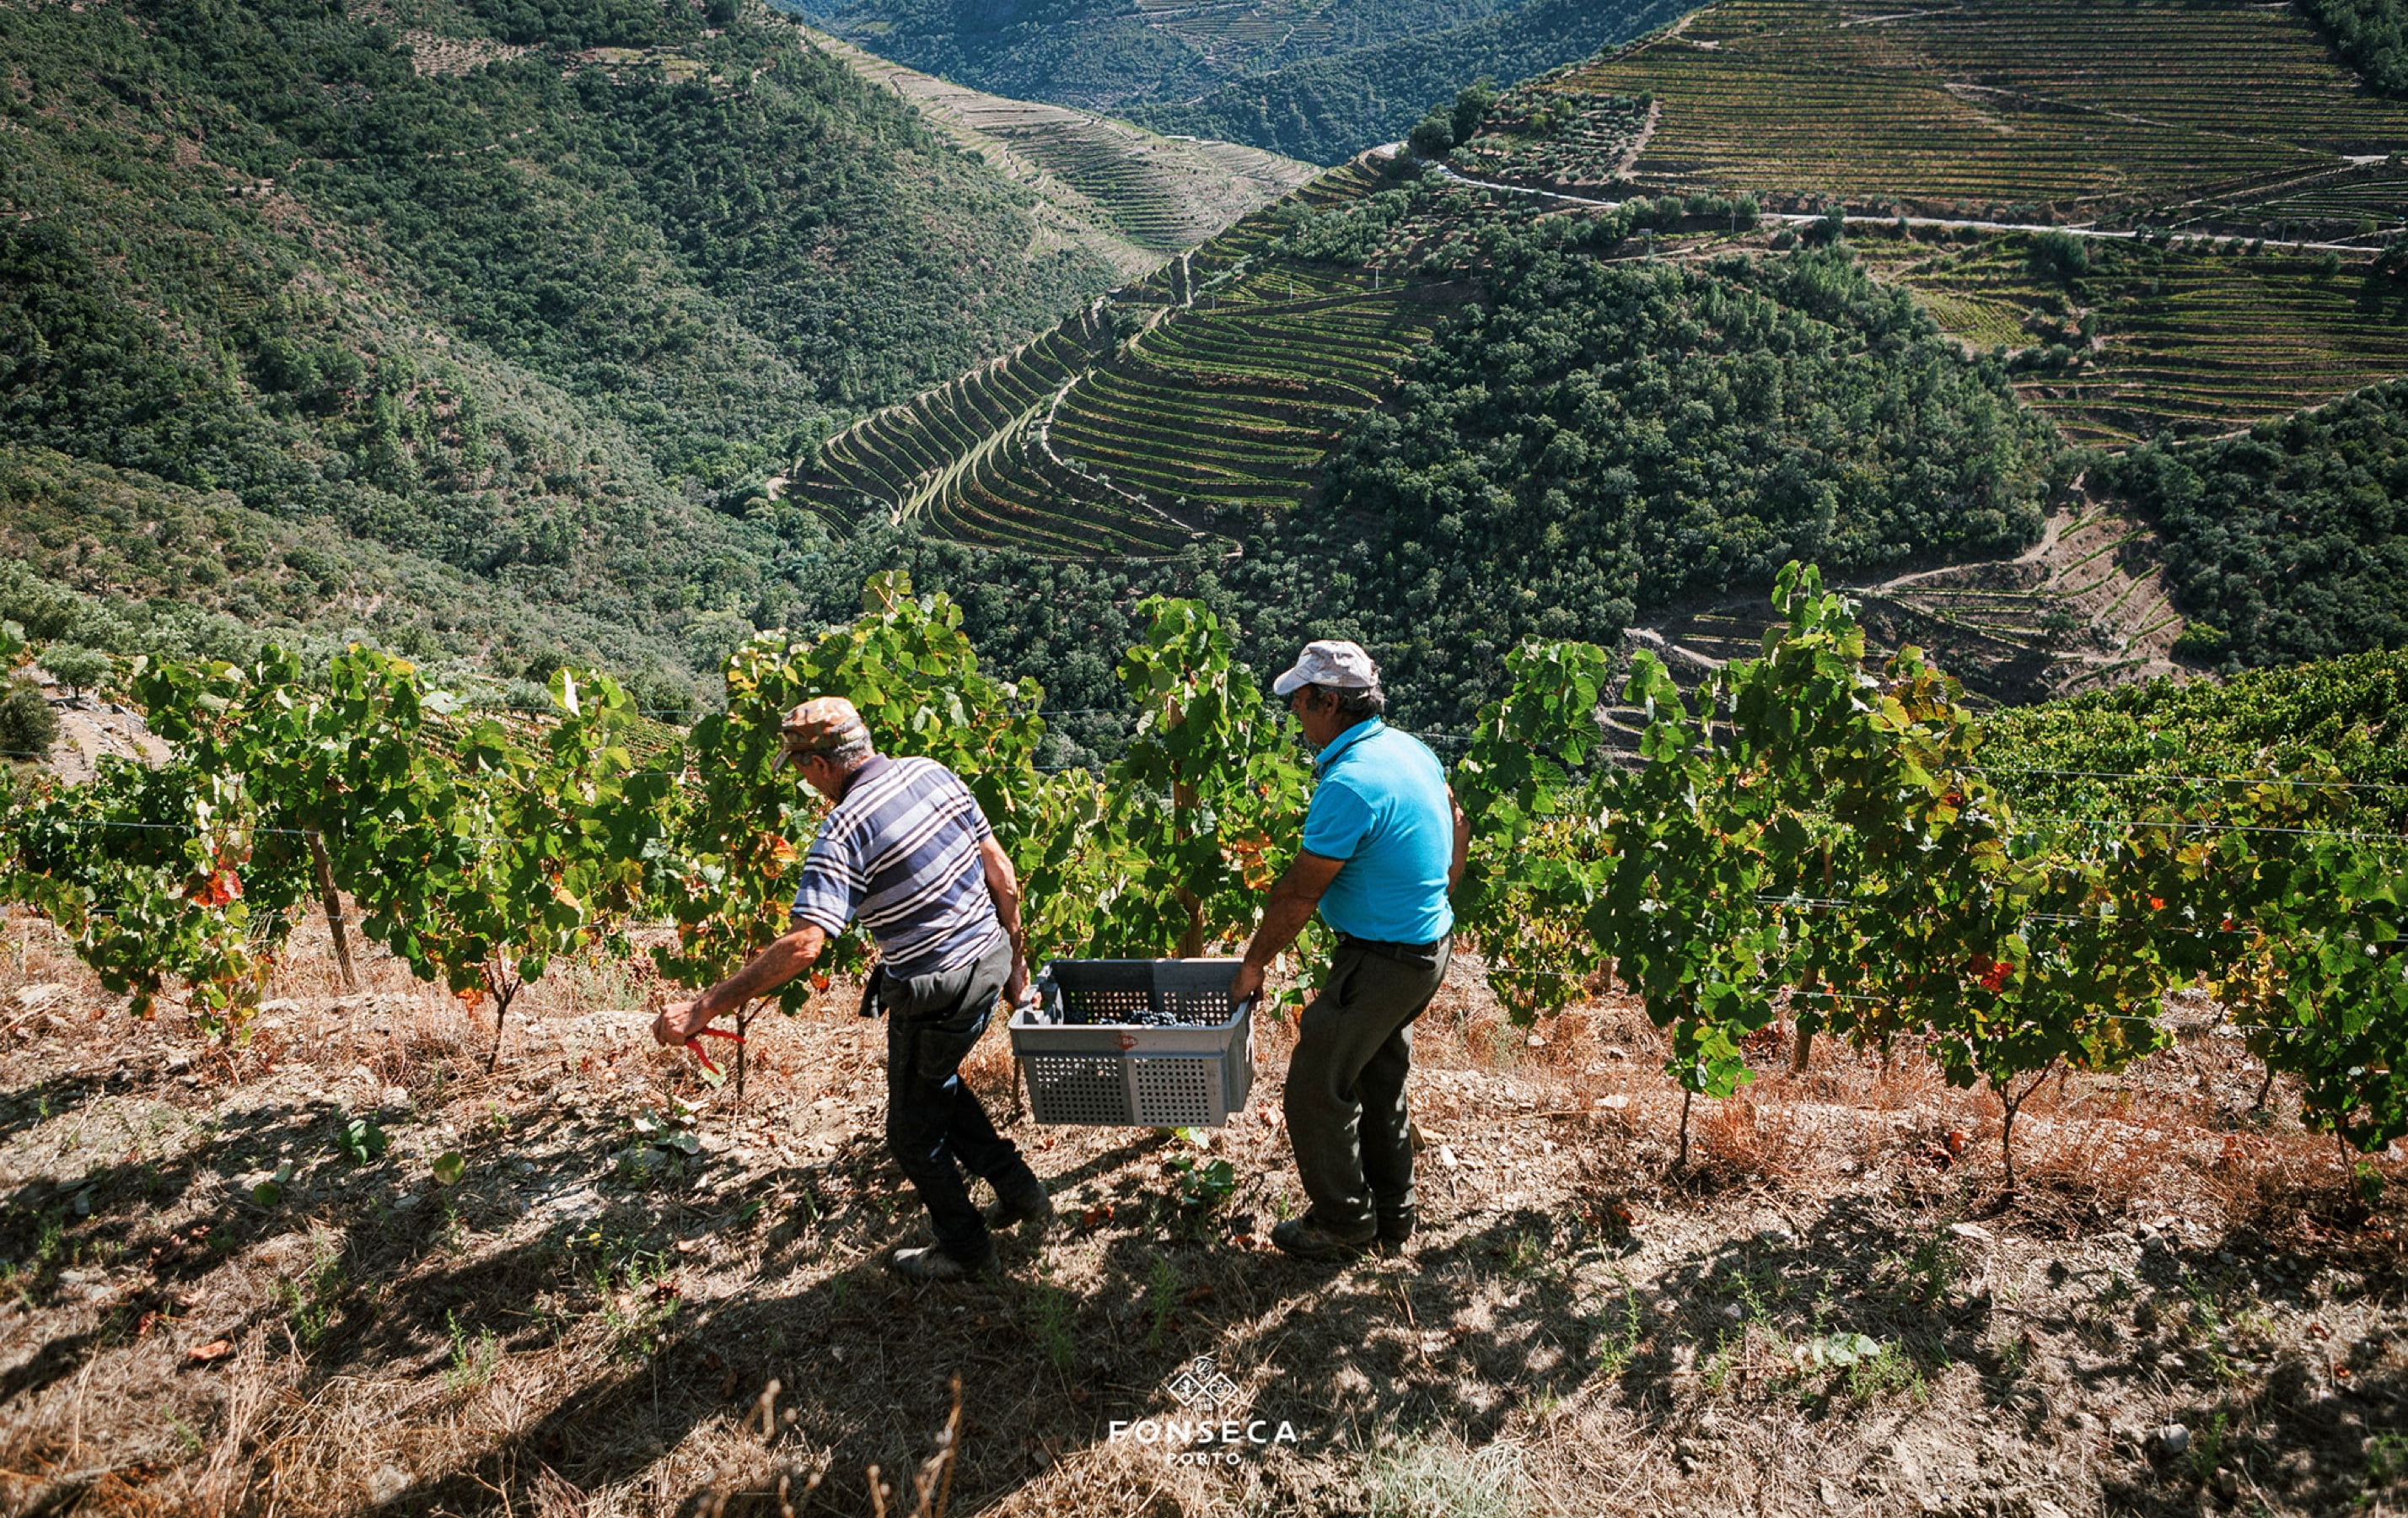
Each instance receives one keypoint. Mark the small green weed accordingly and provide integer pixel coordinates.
(2386, 1461)
(2206, 1329)
(1932, 1267)
(309, 1298)
(270, 1192)
(361, 1141)
(1205, 1186)
(2207, 1446)
(1887, 1372)
(1161, 1295)
(1618, 1342)
(639, 1316)
(1716, 1374)
(1053, 1312)
(2368, 1178)
(473, 1360)
(1524, 1252)
(1752, 1307)
(2013, 1358)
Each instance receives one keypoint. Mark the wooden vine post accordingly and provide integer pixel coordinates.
(333, 899)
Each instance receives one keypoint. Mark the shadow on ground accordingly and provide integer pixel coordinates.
(1499, 1311)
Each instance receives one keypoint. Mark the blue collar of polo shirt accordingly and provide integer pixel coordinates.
(1344, 741)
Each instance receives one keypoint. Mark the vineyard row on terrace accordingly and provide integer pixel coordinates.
(1811, 833)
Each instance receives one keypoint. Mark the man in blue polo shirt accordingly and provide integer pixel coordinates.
(1384, 842)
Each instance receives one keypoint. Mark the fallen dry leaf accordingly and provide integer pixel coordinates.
(215, 1350)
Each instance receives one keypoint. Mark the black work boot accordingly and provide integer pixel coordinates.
(1310, 1240)
(928, 1264)
(1020, 1199)
(1395, 1229)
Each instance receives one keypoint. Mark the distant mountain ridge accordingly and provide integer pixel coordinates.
(1327, 108)
(1129, 195)
(1320, 81)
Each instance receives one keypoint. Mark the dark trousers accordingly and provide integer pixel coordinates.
(1346, 1096)
(936, 1128)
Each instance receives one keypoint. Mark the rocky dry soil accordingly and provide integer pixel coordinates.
(344, 1270)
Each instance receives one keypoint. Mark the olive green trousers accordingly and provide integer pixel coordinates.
(1346, 1096)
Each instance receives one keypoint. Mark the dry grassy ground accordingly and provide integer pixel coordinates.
(590, 1319)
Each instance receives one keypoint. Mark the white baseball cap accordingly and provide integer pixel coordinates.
(1333, 662)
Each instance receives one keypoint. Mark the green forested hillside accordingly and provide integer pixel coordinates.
(2289, 542)
(122, 563)
(2372, 34)
(525, 289)
(1109, 54)
(495, 330)
(1600, 441)
(1320, 81)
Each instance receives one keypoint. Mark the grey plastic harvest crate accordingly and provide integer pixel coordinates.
(1091, 1059)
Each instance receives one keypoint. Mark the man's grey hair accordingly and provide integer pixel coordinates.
(1355, 702)
(851, 753)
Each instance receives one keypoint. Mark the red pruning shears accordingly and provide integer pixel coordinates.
(696, 1045)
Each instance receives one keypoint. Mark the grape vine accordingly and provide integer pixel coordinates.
(1808, 837)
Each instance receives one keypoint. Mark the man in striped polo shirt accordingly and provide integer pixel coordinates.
(907, 852)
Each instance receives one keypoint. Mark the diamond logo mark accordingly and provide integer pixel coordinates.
(1199, 1383)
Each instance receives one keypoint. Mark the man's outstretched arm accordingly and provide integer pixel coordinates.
(780, 961)
(1291, 906)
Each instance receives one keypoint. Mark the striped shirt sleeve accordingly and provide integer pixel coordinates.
(832, 884)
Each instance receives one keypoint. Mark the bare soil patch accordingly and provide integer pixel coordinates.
(1834, 1310)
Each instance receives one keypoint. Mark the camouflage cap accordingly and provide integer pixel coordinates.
(818, 725)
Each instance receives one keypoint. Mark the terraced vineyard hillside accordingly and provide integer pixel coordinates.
(2085, 608)
(1240, 370)
(1127, 193)
(1989, 107)
(2200, 336)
